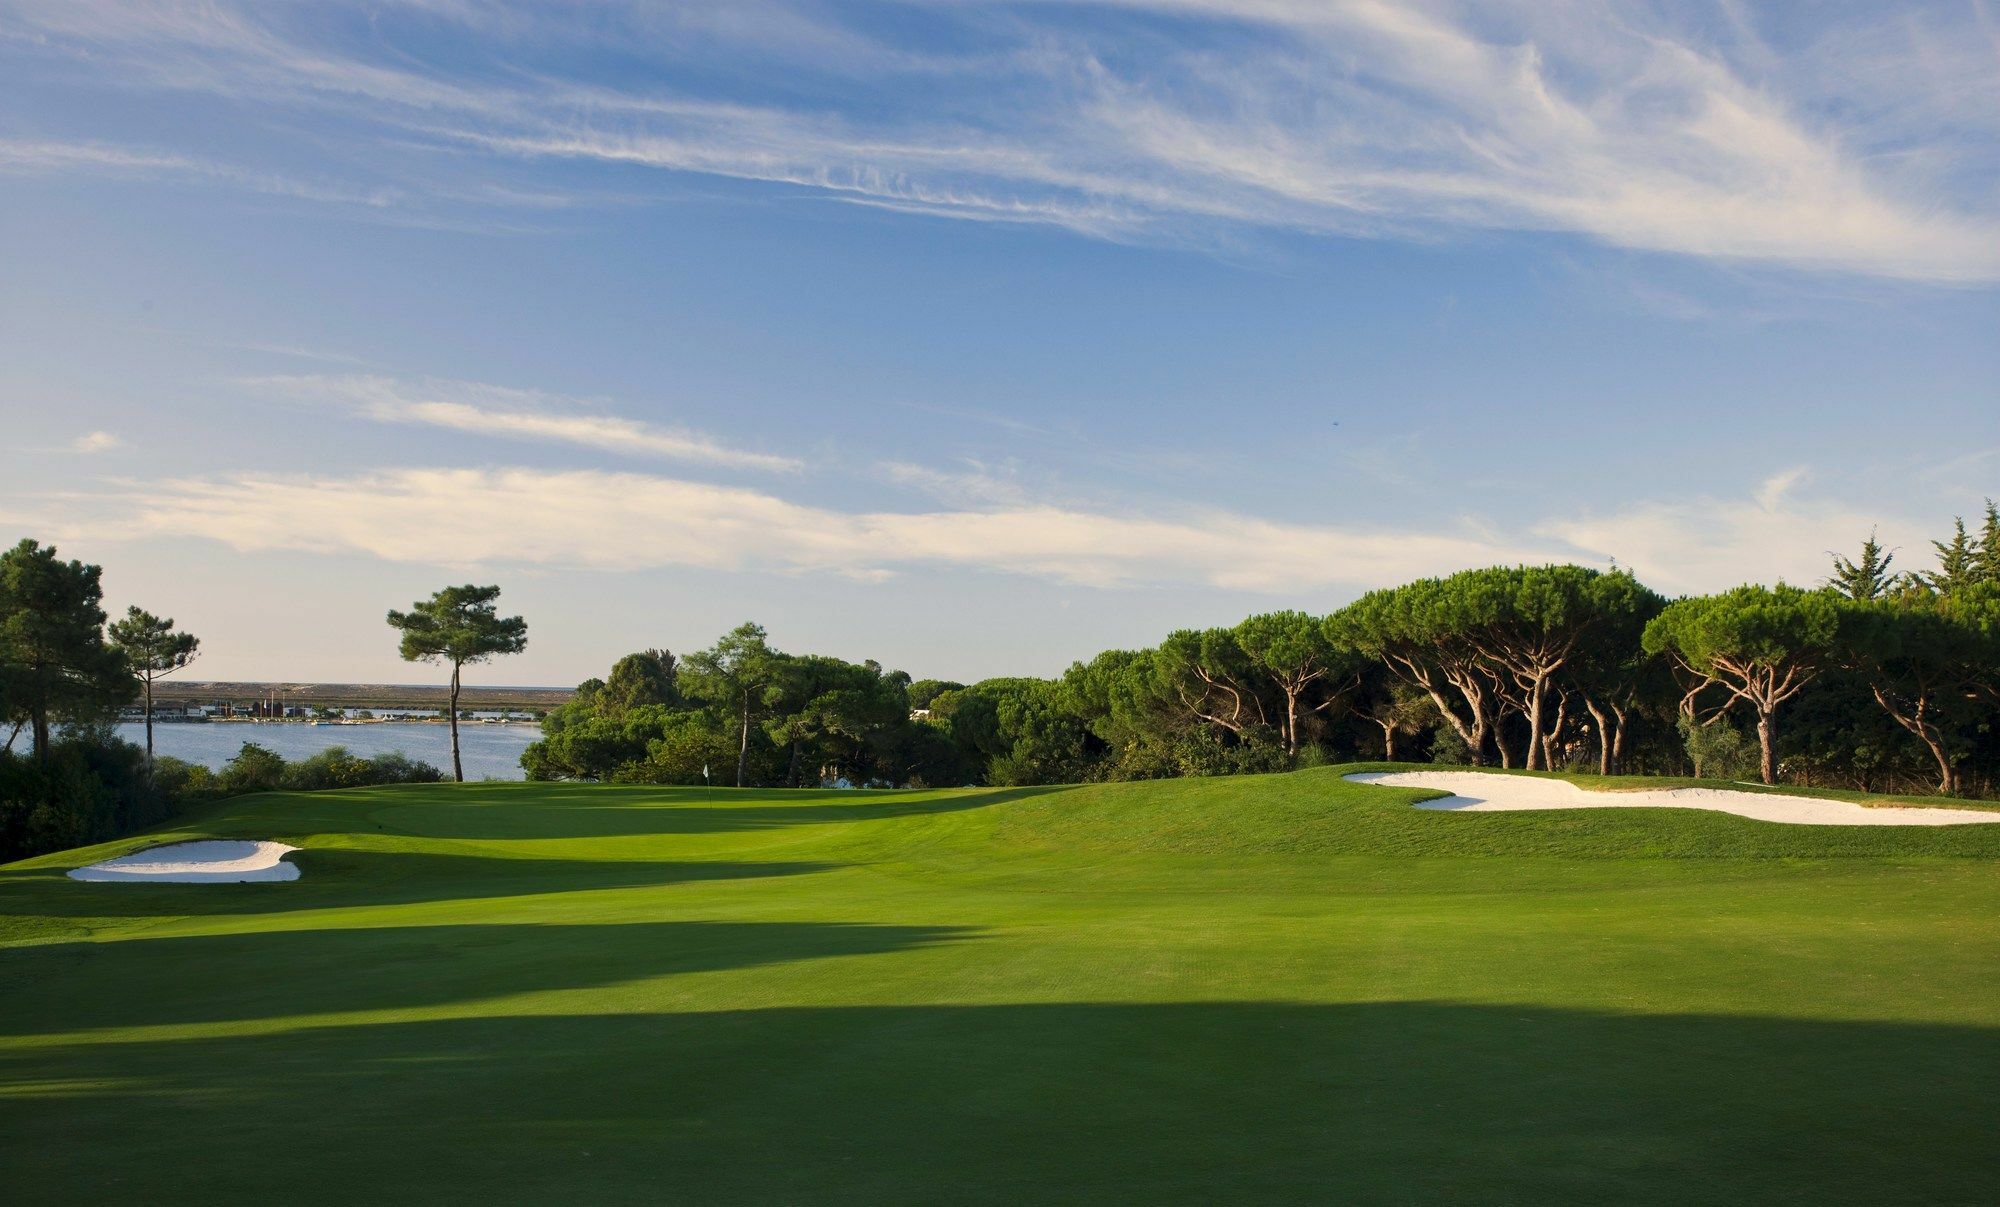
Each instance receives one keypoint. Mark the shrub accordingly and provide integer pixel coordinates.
(254, 769)
(1718, 749)
(92, 787)
(396, 767)
(337, 767)
(183, 781)
(1447, 747)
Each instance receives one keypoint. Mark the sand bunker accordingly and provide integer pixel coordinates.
(212, 862)
(1483, 792)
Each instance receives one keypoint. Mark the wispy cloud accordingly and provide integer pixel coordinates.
(19, 157)
(612, 521)
(973, 483)
(517, 517)
(1860, 146)
(511, 414)
(95, 442)
(295, 352)
(974, 415)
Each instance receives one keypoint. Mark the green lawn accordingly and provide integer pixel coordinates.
(1278, 988)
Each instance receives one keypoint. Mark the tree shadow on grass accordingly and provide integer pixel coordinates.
(1392, 1102)
(64, 987)
(615, 811)
(338, 879)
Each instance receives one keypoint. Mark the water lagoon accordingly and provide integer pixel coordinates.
(488, 751)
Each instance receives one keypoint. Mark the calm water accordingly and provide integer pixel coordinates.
(489, 751)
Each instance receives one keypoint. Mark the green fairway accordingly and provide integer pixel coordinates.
(1278, 988)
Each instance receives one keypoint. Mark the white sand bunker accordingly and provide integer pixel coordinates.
(212, 862)
(1483, 792)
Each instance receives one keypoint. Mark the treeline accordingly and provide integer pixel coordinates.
(64, 675)
(743, 713)
(1872, 680)
(94, 787)
(1875, 679)
(260, 769)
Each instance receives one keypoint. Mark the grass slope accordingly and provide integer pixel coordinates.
(1282, 988)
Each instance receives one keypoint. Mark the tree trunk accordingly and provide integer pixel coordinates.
(1535, 725)
(1388, 742)
(1603, 736)
(1291, 723)
(1767, 742)
(1473, 735)
(149, 718)
(1913, 720)
(457, 767)
(40, 721)
(1554, 735)
(743, 745)
(1947, 779)
(1618, 742)
(792, 771)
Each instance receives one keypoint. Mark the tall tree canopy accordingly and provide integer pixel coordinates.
(1866, 576)
(1540, 666)
(832, 712)
(1933, 664)
(1960, 561)
(1989, 544)
(1482, 642)
(54, 662)
(796, 720)
(154, 649)
(1528, 622)
(1611, 670)
(737, 671)
(1759, 646)
(1417, 630)
(638, 680)
(1208, 674)
(1291, 653)
(458, 626)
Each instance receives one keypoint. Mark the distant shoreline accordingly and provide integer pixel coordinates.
(247, 697)
(349, 721)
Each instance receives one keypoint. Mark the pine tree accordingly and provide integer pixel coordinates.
(1989, 545)
(1868, 576)
(458, 626)
(1958, 561)
(54, 663)
(154, 649)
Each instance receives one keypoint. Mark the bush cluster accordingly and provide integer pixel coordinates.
(94, 787)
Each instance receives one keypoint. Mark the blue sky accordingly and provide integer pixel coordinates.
(976, 337)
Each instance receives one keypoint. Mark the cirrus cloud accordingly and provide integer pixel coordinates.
(1821, 141)
(510, 414)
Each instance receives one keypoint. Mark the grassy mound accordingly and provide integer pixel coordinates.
(1318, 812)
(1280, 988)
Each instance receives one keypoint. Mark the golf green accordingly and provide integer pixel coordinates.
(1270, 988)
